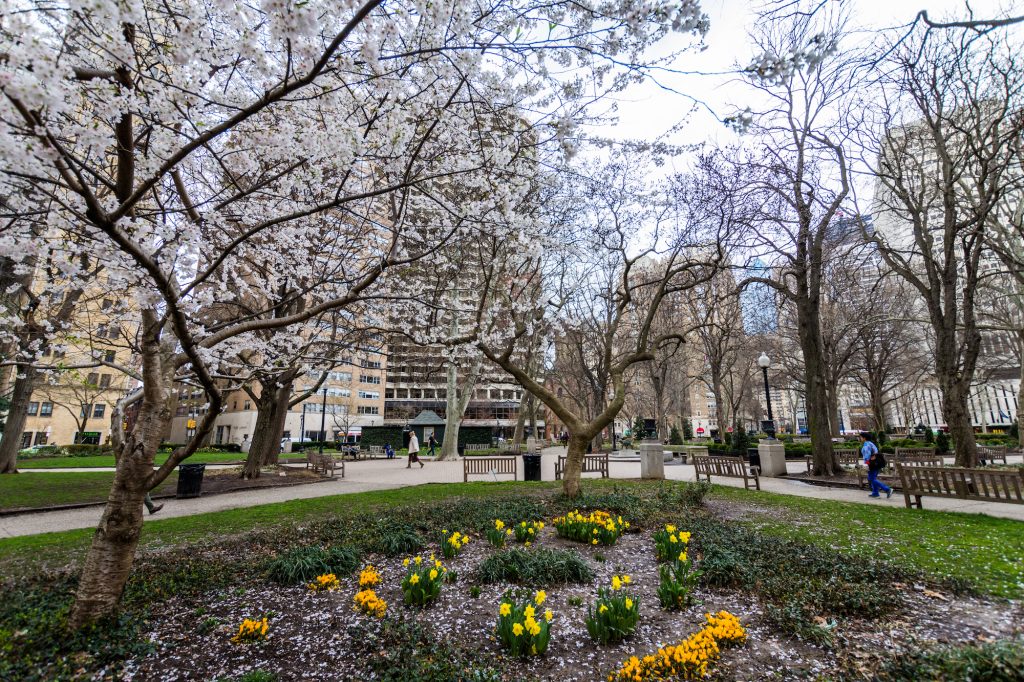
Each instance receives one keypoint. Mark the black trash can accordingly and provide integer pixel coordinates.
(531, 467)
(754, 457)
(461, 449)
(190, 480)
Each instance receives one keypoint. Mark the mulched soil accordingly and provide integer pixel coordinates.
(309, 638)
(229, 480)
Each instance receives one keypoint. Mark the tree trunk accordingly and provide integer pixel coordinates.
(1020, 391)
(817, 395)
(958, 418)
(833, 411)
(17, 414)
(518, 435)
(280, 415)
(574, 464)
(531, 405)
(457, 400)
(261, 444)
(109, 560)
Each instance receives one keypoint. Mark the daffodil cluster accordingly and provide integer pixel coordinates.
(528, 531)
(251, 631)
(678, 578)
(688, 660)
(422, 581)
(452, 543)
(497, 535)
(669, 542)
(369, 577)
(369, 603)
(522, 628)
(596, 528)
(328, 582)
(615, 614)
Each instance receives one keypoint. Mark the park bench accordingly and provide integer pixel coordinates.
(325, 464)
(847, 457)
(374, 451)
(489, 465)
(592, 464)
(909, 460)
(511, 448)
(477, 447)
(984, 485)
(729, 467)
(990, 453)
(900, 452)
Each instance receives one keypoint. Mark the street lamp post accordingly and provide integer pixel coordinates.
(323, 422)
(302, 424)
(769, 426)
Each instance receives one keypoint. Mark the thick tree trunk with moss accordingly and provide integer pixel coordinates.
(575, 453)
(17, 414)
(457, 400)
(824, 460)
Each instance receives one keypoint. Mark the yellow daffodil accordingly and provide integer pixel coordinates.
(505, 609)
(517, 629)
(616, 583)
(603, 608)
(548, 615)
(629, 603)
(405, 562)
(418, 560)
(433, 574)
(414, 579)
(529, 611)
(540, 597)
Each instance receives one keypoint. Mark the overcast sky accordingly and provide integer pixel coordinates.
(647, 111)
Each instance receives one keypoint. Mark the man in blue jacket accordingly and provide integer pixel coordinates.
(874, 461)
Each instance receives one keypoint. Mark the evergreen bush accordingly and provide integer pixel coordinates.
(674, 437)
(687, 430)
(942, 443)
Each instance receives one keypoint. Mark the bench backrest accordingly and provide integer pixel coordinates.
(992, 449)
(900, 452)
(591, 463)
(982, 484)
(847, 455)
(720, 466)
(478, 447)
(485, 465)
(922, 460)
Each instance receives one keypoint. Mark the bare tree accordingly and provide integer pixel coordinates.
(946, 154)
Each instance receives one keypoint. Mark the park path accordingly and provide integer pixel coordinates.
(367, 475)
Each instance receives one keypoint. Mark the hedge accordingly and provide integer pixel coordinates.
(220, 447)
(382, 435)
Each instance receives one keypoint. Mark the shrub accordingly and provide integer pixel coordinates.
(674, 437)
(669, 542)
(691, 658)
(303, 564)
(597, 528)
(615, 613)
(992, 662)
(942, 443)
(327, 582)
(452, 543)
(366, 601)
(251, 631)
(393, 540)
(520, 628)
(929, 436)
(497, 535)
(538, 567)
(692, 493)
(528, 531)
(677, 580)
(423, 581)
(740, 441)
(687, 430)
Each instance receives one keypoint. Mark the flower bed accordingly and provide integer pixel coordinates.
(596, 528)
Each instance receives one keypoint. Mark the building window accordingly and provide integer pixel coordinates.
(340, 376)
(370, 364)
(247, 405)
(109, 357)
(86, 409)
(41, 438)
(98, 410)
(369, 395)
(33, 409)
(104, 381)
(93, 379)
(368, 379)
(107, 303)
(26, 439)
(369, 409)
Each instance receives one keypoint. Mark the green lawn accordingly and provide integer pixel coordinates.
(108, 460)
(73, 487)
(986, 550)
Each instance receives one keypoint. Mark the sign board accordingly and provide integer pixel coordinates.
(729, 429)
(191, 423)
(700, 429)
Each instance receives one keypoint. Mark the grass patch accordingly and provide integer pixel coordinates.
(540, 566)
(303, 564)
(91, 461)
(983, 550)
(996, 662)
(34, 490)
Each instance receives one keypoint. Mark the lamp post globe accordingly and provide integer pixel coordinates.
(764, 362)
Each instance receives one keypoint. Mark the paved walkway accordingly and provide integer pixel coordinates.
(382, 474)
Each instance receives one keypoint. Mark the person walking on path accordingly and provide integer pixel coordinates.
(874, 461)
(151, 506)
(414, 450)
(432, 443)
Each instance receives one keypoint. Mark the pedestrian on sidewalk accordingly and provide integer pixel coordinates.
(874, 461)
(432, 443)
(414, 450)
(150, 505)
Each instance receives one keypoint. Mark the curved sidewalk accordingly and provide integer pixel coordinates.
(382, 474)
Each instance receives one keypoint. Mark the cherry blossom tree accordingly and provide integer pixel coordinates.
(187, 140)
